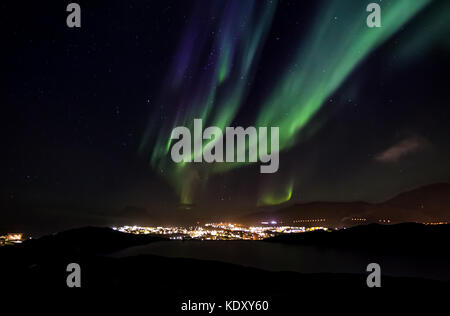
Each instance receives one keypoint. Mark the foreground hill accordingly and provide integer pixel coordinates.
(412, 238)
(160, 283)
(78, 242)
(43, 262)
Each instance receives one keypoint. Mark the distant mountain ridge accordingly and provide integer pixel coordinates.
(426, 204)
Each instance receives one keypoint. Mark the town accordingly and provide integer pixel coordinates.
(220, 231)
(230, 231)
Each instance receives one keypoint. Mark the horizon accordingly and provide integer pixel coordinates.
(145, 217)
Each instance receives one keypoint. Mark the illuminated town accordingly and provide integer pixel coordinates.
(11, 239)
(225, 230)
(220, 231)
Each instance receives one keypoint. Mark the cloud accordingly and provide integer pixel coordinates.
(405, 147)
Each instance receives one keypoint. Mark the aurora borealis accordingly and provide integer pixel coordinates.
(219, 85)
(211, 79)
(334, 47)
(88, 113)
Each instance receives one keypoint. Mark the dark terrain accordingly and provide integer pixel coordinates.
(42, 263)
(425, 204)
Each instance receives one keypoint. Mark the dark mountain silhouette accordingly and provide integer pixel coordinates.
(81, 242)
(432, 198)
(42, 263)
(135, 214)
(426, 204)
(411, 238)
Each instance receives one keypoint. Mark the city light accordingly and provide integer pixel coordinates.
(219, 231)
(10, 239)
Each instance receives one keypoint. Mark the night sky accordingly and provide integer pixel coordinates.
(87, 112)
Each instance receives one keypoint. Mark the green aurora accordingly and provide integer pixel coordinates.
(336, 44)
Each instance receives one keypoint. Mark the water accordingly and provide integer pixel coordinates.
(283, 257)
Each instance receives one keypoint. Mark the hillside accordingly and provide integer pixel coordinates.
(426, 204)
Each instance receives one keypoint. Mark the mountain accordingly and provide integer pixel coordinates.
(426, 204)
(41, 265)
(80, 241)
(418, 239)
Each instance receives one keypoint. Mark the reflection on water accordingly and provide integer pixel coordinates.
(282, 257)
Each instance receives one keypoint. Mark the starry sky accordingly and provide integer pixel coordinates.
(87, 112)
